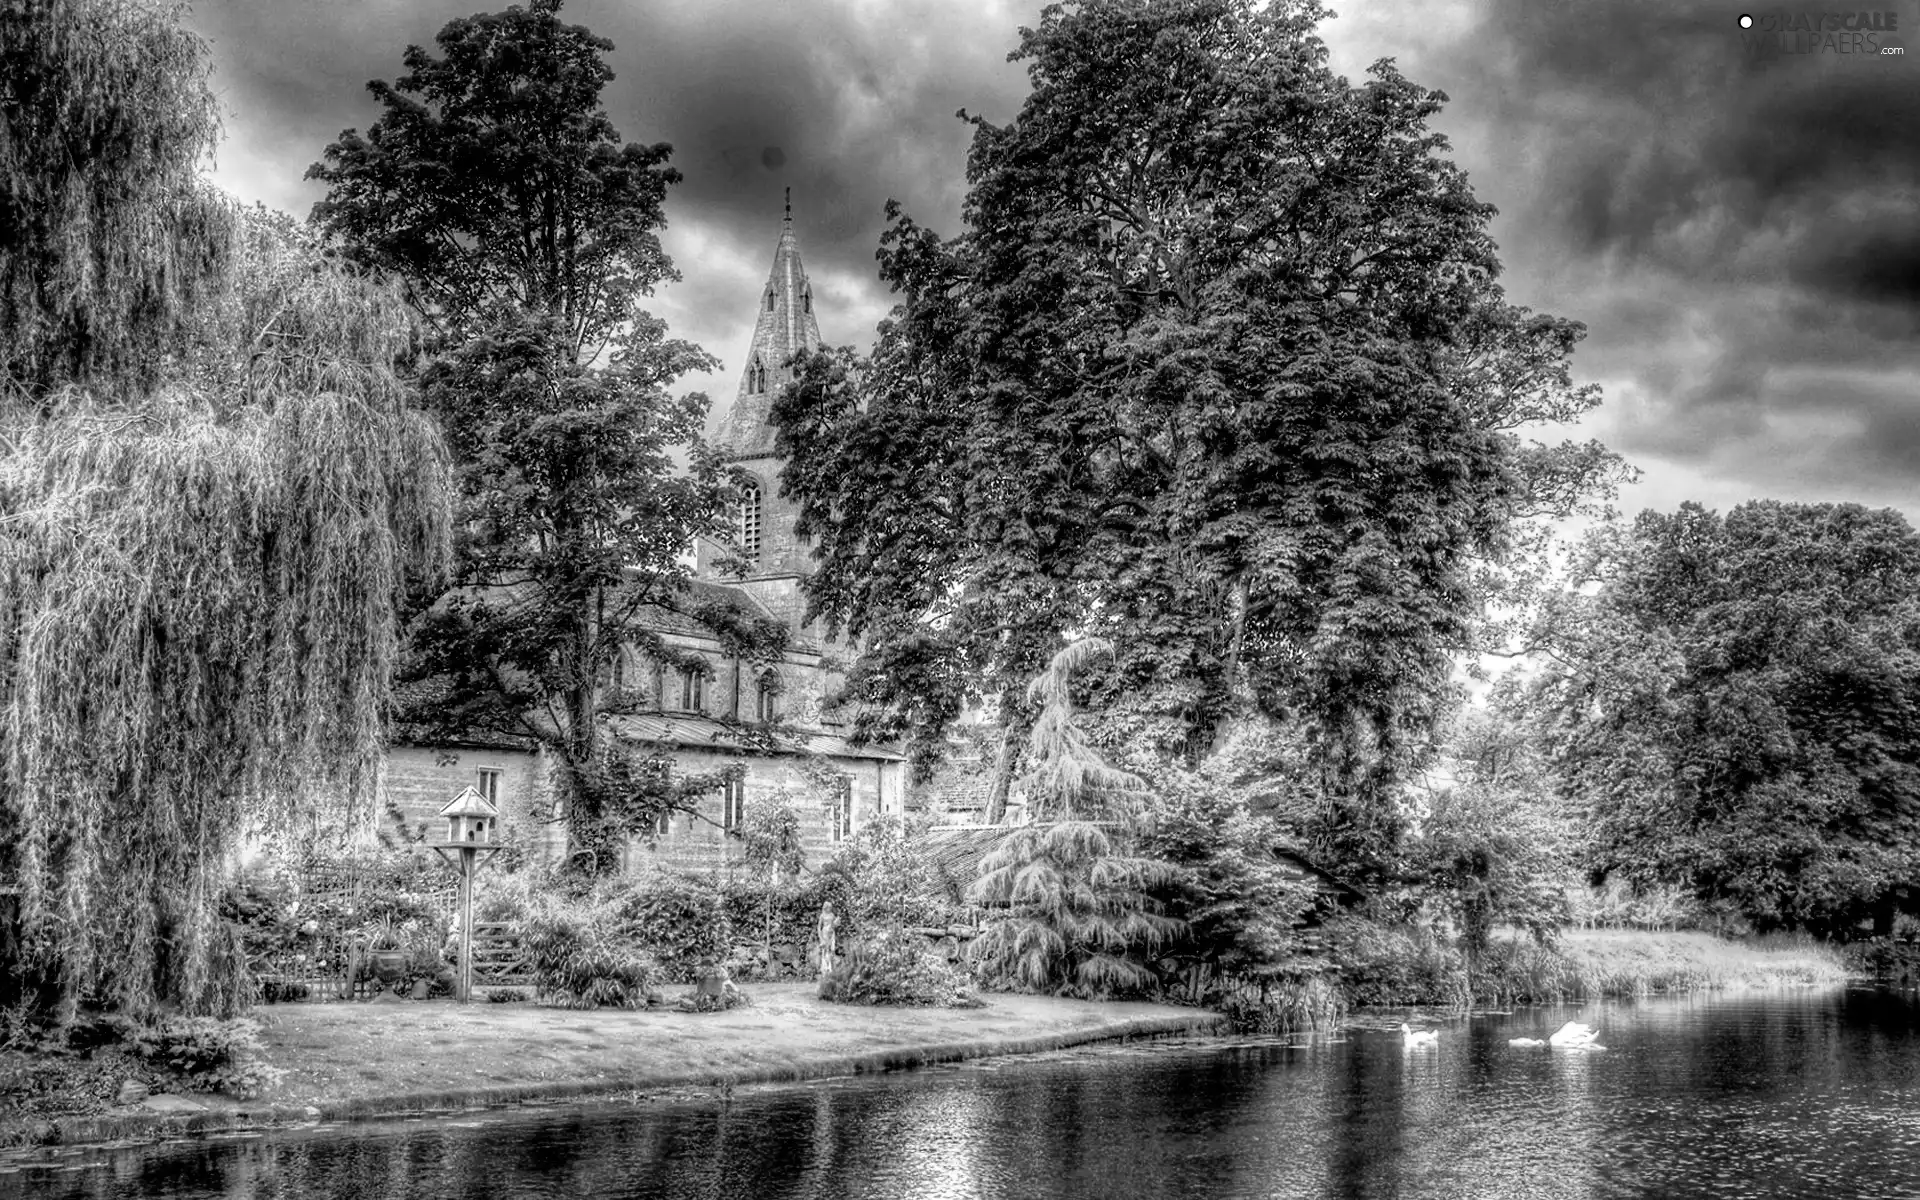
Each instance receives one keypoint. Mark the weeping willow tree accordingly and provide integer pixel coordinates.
(213, 498)
(1076, 915)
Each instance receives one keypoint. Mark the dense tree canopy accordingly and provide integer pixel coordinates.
(1738, 706)
(493, 180)
(495, 184)
(213, 497)
(1218, 370)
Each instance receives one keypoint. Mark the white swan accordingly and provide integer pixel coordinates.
(1573, 1033)
(1421, 1037)
(1526, 1041)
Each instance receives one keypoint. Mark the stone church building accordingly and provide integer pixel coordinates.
(831, 785)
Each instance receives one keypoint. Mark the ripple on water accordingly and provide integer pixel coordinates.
(1746, 1097)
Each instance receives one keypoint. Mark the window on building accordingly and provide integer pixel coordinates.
(693, 689)
(843, 809)
(766, 701)
(661, 768)
(769, 299)
(757, 377)
(806, 300)
(734, 804)
(488, 784)
(750, 524)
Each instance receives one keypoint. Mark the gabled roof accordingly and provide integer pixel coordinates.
(694, 731)
(469, 803)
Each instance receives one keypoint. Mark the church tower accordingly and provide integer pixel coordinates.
(764, 533)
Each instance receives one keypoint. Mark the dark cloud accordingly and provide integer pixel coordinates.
(849, 104)
(1741, 233)
(1739, 230)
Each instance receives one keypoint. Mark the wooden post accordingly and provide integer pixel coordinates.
(463, 987)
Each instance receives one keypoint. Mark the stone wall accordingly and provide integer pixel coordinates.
(699, 843)
(419, 780)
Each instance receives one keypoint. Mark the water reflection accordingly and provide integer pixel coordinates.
(1717, 1097)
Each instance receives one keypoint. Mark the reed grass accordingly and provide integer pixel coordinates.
(1589, 964)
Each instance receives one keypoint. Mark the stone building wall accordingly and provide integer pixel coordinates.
(701, 843)
(419, 780)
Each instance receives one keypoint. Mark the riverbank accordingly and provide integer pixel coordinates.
(351, 1060)
(1595, 963)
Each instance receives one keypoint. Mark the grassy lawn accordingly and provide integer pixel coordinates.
(360, 1058)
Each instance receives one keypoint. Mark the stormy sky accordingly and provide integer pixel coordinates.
(1739, 230)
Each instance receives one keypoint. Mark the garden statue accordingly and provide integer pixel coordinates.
(825, 936)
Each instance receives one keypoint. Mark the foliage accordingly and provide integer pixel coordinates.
(1241, 904)
(1616, 963)
(495, 184)
(1618, 904)
(897, 967)
(1735, 707)
(771, 833)
(205, 1053)
(1216, 371)
(575, 954)
(1276, 1007)
(1077, 918)
(777, 914)
(215, 498)
(680, 920)
(880, 880)
(1391, 964)
(109, 241)
(1492, 849)
(493, 180)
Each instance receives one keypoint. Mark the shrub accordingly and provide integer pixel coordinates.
(574, 955)
(764, 915)
(897, 968)
(1282, 1006)
(205, 1053)
(881, 880)
(1396, 964)
(680, 921)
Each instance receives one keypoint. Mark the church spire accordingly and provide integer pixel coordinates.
(784, 326)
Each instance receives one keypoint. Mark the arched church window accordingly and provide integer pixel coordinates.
(769, 299)
(766, 701)
(750, 524)
(806, 299)
(693, 689)
(755, 376)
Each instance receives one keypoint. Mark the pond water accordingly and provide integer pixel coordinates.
(1769, 1094)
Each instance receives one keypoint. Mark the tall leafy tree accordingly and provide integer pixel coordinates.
(1737, 707)
(494, 181)
(1218, 370)
(213, 499)
(495, 184)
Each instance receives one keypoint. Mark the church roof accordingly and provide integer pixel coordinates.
(697, 732)
(785, 324)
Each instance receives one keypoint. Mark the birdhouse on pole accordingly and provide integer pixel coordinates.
(470, 817)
